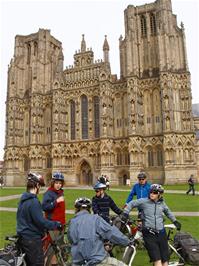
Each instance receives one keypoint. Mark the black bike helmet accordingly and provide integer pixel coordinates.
(36, 178)
(157, 188)
(83, 203)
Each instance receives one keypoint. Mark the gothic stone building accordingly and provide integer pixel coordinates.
(84, 121)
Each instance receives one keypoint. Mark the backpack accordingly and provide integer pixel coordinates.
(188, 247)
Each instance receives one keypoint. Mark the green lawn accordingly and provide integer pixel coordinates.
(176, 202)
(8, 227)
(11, 191)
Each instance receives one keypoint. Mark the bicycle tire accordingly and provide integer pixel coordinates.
(49, 255)
(4, 263)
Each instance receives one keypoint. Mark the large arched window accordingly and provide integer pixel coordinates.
(72, 120)
(84, 109)
(143, 26)
(153, 24)
(96, 117)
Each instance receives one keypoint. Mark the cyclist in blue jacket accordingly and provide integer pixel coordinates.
(87, 233)
(140, 189)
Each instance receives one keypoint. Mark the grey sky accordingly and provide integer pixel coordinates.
(69, 19)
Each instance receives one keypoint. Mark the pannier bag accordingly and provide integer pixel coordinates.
(188, 247)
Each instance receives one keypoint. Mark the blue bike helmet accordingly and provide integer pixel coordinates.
(58, 176)
(99, 185)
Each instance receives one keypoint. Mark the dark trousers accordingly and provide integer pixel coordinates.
(191, 188)
(33, 250)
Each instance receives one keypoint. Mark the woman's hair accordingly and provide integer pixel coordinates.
(52, 182)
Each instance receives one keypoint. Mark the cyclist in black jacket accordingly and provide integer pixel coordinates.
(102, 203)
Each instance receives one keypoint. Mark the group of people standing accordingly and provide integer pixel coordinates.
(87, 232)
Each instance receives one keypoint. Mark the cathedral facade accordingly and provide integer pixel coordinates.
(84, 121)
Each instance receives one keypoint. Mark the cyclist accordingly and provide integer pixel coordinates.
(53, 200)
(102, 203)
(154, 234)
(140, 189)
(53, 204)
(31, 223)
(87, 232)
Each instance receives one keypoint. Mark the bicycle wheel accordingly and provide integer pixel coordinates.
(4, 263)
(63, 257)
(48, 256)
(175, 257)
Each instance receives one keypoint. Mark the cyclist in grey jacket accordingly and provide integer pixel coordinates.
(87, 232)
(154, 234)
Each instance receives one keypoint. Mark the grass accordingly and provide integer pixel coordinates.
(174, 201)
(11, 191)
(8, 227)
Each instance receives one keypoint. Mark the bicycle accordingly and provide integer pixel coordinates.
(54, 245)
(12, 254)
(133, 229)
(175, 258)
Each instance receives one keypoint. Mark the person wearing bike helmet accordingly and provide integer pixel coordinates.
(140, 189)
(31, 224)
(153, 210)
(102, 203)
(87, 233)
(53, 203)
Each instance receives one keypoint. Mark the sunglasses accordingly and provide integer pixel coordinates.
(154, 192)
(141, 179)
(97, 190)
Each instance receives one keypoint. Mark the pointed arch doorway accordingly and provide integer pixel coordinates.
(85, 175)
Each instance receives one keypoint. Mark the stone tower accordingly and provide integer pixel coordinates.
(154, 63)
(37, 61)
(84, 121)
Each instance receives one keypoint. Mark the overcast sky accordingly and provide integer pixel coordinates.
(69, 19)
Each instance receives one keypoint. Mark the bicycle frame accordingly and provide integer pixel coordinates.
(55, 247)
(181, 262)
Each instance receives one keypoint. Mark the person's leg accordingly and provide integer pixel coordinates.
(193, 190)
(152, 247)
(164, 248)
(189, 190)
(157, 263)
(34, 252)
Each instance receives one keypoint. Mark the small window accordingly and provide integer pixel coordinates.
(143, 26)
(157, 119)
(153, 24)
(148, 120)
(150, 158)
(72, 120)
